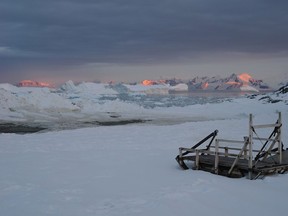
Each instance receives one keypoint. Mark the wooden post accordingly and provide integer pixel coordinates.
(279, 138)
(197, 159)
(246, 139)
(226, 151)
(245, 154)
(250, 162)
(180, 152)
(238, 156)
(245, 150)
(216, 156)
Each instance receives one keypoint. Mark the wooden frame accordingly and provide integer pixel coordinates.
(236, 161)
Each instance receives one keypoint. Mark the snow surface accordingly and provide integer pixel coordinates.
(129, 169)
(180, 87)
(248, 88)
(149, 89)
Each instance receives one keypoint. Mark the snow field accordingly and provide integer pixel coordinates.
(127, 170)
(131, 169)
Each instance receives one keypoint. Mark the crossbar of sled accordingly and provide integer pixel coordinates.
(210, 136)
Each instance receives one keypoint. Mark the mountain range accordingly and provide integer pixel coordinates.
(234, 82)
(241, 82)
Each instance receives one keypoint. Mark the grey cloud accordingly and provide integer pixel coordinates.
(135, 30)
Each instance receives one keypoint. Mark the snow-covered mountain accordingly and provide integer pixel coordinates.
(31, 83)
(233, 83)
(241, 82)
(281, 95)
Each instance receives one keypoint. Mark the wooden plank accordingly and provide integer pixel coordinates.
(197, 160)
(266, 126)
(230, 141)
(280, 139)
(263, 139)
(275, 167)
(226, 147)
(226, 161)
(232, 148)
(207, 163)
(216, 156)
(251, 129)
(275, 158)
(238, 157)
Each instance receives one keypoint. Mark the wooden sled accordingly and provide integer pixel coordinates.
(233, 158)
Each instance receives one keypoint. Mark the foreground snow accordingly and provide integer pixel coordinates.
(130, 170)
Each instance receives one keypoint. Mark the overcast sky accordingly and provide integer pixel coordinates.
(82, 40)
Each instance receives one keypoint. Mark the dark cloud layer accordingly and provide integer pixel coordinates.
(132, 31)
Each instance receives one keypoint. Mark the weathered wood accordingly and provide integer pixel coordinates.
(226, 151)
(281, 169)
(250, 143)
(216, 156)
(230, 141)
(238, 156)
(275, 158)
(263, 139)
(225, 160)
(268, 153)
(197, 159)
(279, 138)
(232, 148)
(266, 126)
(207, 162)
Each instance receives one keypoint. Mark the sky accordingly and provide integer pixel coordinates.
(130, 40)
